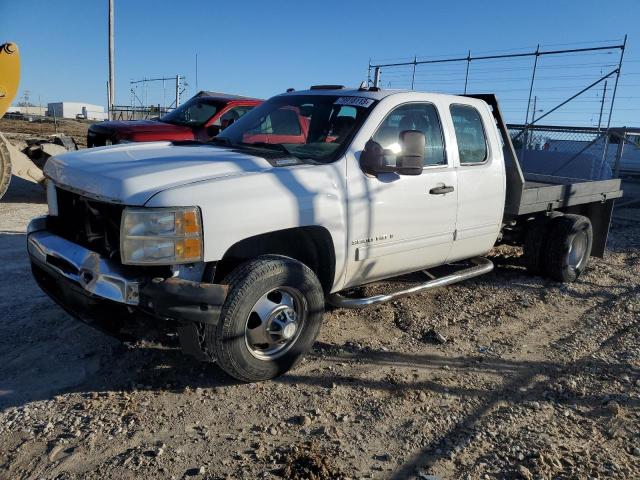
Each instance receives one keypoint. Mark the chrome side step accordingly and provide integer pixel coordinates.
(482, 266)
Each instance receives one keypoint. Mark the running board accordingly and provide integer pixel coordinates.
(482, 266)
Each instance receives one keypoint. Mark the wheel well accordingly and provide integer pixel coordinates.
(312, 246)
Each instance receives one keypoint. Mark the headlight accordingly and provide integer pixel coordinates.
(160, 236)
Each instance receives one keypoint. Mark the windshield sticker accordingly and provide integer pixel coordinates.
(354, 101)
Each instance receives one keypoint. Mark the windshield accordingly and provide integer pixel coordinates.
(312, 127)
(193, 113)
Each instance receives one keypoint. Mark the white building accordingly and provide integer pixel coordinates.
(76, 110)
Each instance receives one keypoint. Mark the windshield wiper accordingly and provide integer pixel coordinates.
(221, 141)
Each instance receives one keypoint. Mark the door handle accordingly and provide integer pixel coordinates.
(441, 190)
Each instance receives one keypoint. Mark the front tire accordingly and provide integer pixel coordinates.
(270, 319)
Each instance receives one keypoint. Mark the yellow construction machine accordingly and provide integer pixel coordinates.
(12, 160)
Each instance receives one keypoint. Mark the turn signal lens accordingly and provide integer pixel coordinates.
(188, 222)
(188, 249)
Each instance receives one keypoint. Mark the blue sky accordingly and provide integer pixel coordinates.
(261, 48)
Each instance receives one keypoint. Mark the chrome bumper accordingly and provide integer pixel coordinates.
(88, 269)
(79, 280)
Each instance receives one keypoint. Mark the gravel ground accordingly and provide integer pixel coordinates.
(503, 376)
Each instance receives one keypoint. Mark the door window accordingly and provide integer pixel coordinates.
(231, 115)
(472, 142)
(414, 116)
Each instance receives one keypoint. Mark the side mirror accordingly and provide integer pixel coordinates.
(372, 158)
(409, 161)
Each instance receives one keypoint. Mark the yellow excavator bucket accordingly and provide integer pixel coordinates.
(12, 161)
(9, 75)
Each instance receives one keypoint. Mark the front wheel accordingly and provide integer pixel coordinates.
(270, 319)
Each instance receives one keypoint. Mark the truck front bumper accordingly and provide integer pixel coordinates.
(99, 291)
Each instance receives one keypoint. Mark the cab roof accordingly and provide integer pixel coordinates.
(223, 96)
(374, 93)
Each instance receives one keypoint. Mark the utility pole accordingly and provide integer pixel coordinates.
(533, 115)
(177, 90)
(108, 101)
(466, 75)
(40, 112)
(604, 95)
(112, 87)
(533, 119)
(26, 101)
(413, 75)
(197, 73)
(376, 77)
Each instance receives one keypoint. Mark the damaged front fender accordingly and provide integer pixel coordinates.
(184, 300)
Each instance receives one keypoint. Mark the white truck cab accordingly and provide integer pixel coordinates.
(238, 243)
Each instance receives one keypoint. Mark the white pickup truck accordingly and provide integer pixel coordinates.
(238, 243)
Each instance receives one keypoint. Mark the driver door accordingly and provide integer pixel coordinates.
(399, 224)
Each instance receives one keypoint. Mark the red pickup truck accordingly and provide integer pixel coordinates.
(200, 118)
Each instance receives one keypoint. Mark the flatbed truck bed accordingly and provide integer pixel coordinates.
(542, 192)
(530, 195)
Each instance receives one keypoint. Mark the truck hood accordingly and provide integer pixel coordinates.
(132, 173)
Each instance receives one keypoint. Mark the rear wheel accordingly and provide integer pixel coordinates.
(270, 319)
(568, 247)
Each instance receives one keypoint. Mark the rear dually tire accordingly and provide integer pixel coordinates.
(567, 247)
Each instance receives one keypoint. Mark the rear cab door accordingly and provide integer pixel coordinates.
(479, 164)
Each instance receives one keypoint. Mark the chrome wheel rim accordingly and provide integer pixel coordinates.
(274, 324)
(577, 249)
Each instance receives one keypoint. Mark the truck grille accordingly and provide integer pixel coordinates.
(93, 224)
